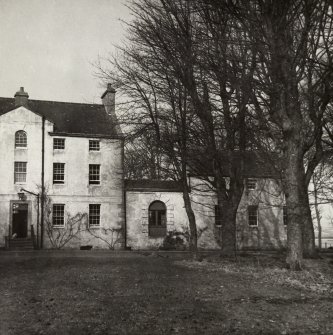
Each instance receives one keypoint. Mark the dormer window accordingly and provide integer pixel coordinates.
(20, 139)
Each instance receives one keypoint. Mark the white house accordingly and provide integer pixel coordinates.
(75, 152)
(155, 209)
(62, 185)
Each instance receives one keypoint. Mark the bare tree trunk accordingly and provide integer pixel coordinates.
(319, 233)
(292, 180)
(309, 248)
(192, 222)
(228, 230)
(228, 209)
(317, 211)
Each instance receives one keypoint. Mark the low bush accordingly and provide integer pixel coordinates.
(174, 241)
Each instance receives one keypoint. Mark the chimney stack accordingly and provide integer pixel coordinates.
(108, 99)
(109, 102)
(21, 98)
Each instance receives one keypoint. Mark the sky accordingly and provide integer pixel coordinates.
(49, 46)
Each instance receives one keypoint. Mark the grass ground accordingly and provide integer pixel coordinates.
(130, 293)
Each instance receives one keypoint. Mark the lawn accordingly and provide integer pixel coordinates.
(91, 292)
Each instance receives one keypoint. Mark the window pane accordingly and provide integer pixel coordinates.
(59, 143)
(58, 215)
(94, 174)
(93, 145)
(58, 173)
(94, 214)
(20, 139)
(20, 172)
(157, 219)
(251, 184)
(285, 216)
(253, 215)
(218, 218)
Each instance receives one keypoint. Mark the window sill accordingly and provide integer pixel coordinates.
(253, 226)
(58, 227)
(94, 227)
(94, 185)
(20, 183)
(21, 148)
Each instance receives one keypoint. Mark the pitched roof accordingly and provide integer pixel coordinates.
(255, 164)
(69, 118)
(153, 185)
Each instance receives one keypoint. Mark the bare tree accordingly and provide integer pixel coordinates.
(252, 76)
(291, 95)
(157, 104)
(110, 236)
(189, 39)
(143, 158)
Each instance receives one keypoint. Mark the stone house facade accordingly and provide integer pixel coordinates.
(76, 152)
(261, 217)
(69, 156)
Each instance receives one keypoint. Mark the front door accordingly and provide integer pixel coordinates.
(20, 220)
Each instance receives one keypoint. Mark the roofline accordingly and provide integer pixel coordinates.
(59, 102)
(151, 189)
(30, 110)
(260, 176)
(115, 137)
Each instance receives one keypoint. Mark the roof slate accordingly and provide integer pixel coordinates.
(256, 164)
(68, 117)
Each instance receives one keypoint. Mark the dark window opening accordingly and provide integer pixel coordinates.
(94, 145)
(20, 172)
(58, 217)
(94, 214)
(59, 143)
(253, 215)
(20, 139)
(94, 174)
(58, 173)
(218, 216)
(157, 219)
(251, 184)
(285, 216)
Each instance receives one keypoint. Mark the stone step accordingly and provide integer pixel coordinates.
(21, 243)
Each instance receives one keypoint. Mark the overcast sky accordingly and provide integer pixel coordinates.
(48, 46)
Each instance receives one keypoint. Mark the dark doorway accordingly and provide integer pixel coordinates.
(20, 220)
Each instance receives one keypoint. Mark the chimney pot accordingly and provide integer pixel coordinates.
(109, 89)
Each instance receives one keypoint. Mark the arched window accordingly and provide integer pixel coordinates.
(157, 219)
(20, 139)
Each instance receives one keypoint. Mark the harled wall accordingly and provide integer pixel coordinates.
(269, 234)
